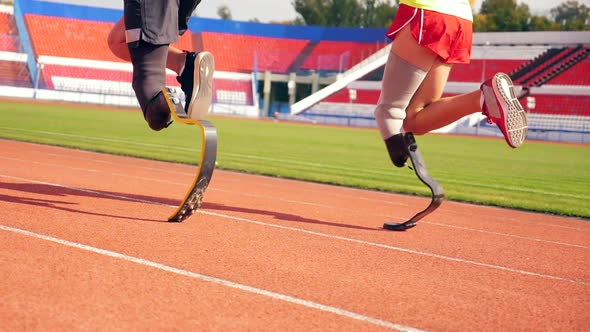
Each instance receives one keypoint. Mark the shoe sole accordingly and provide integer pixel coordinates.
(202, 86)
(514, 118)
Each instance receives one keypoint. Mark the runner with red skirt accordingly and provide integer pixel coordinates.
(429, 36)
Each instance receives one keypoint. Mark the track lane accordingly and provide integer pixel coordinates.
(369, 285)
(341, 221)
(76, 289)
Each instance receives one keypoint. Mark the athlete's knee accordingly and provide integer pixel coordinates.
(116, 46)
(411, 125)
(112, 38)
(388, 111)
(117, 43)
(157, 112)
(389, 118)
(378, 112)
(149, 78)
(153, 105)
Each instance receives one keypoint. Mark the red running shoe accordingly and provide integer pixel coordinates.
(503, 108)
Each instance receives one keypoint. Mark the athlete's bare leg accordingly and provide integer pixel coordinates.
(407, 48)
(118, 45)
(427, 111)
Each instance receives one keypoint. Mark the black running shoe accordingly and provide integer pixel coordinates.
(196, 82)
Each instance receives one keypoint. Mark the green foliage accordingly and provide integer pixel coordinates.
(494, 15)
(571, 15)
(507, 15)
(224, 12)
(383, 14)
(345, 13)
(539, 176)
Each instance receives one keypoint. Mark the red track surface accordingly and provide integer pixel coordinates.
(83, 247)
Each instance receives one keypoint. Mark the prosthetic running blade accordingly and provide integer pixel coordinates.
(194, 196)
(436, 189)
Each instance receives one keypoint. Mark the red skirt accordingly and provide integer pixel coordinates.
(448, 36)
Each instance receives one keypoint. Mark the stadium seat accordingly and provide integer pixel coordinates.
(576, 75)
(238, 53)
(14, 73)
(226, 91)
(70, 38)
(117, 82)
(338, 55)
(8, 34)
(362, 97)
(74, 38)
(479, 70)
(562, 105)
(6, 24)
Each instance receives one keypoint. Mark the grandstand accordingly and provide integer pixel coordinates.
(58, 51)
(547, 70)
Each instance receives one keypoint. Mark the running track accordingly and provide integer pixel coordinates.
(83, 247)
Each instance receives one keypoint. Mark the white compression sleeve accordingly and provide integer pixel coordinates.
(400, 82)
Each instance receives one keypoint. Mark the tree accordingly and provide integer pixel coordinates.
(502, 15)
(507, 15)
(570, 15)
(542, 23)
(480, 23)
(384, 14)
(224, 12)
(345, 13)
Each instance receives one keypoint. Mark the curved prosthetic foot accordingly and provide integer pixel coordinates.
(194, 196)
(436, 189)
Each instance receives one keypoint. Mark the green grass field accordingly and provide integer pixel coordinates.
(539, 176)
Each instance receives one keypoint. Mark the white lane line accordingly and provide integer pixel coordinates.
(88, 191)
(329, 236)
(300, 202)
(302, 163)
(405, 250)
(290, 201)
(223, 282)
(295, 202)
(67, 154)
(511, 235)
(128, 176)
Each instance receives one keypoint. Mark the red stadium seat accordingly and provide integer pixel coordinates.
(236, 53)
(338, 55)
(576, 75)
(479, 70)
(14, 73)
(8, 33)
(6, 24)
(562, 105)
(362, 97)
(73, 38)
